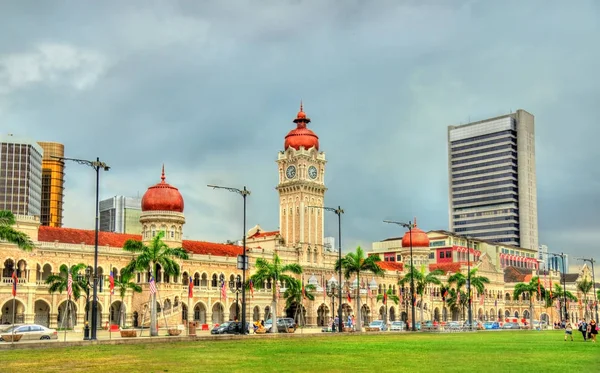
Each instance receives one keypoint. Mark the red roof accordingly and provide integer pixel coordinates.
(446, 267)
(260, 234)
(78, 236)
(391, 266)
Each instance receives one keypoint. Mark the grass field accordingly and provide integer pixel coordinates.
(505, 351)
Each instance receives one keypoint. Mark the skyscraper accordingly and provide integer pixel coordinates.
(121, 214)
(492, 186)
(20, 175)
(52, 184)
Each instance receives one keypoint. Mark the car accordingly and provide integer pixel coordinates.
(398, 326)
(220, 328)
(284, 325)
(490, 325)
(452, 325)
(31, 332)
(378, 324)
(511, 325)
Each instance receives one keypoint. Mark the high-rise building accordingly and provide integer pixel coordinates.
(555, 263)
(492, 186)
(121, 214)
(53, 180)
(329, 243)
(20, 175)
(543, 254)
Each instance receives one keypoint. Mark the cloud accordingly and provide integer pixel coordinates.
(210, 89)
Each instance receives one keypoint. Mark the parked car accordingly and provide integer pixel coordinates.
(31, 332)
(452, 325)
(220, 329)
(283, 325)
(398, 326)
(511, 325)
(379, 324)
(491, 325)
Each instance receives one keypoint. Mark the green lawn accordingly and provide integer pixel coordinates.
(505, 351)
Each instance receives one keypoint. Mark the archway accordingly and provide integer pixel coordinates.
(480, 314)
(382, 313)
(200, 313)
(436, 314)
(323, 315)
(136, 319)
(517, 314)
(234, 311)
(445, 314)
(526, 315)
(117, 313)
(42, 313)
(8, 312)
(267, 313)
(346, 311)
(67, 315)
(404, 316)
(184, 313)
(365, 313)
(544, 318)
(455, 314)
(297, 312)
(500, 313)
(392, 314)
(256, 313)
(218, 313)
(98, 313)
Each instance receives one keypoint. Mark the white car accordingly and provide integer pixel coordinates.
(379, 324)
(398, 326)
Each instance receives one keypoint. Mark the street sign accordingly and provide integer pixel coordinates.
(241, 263)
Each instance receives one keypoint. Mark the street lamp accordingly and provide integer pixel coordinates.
(96, 165)
(592, 260)
(338, 211)
(565, 310)
(332, 289)
(237, 288)
(87, 285)
(243, 265)
(410, 227)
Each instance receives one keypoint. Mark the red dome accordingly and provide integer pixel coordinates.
(301, 136)
(162, 197)
(419, 238)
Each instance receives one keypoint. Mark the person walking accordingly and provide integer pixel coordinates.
(568, 330)
(583, 329)
(593, 330)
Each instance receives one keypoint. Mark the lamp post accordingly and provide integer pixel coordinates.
(565, 310)
(332, 289)
(338, 211)
(244, 258)
(591, 261)
(96, 165)
(410, 227)
(236, 287)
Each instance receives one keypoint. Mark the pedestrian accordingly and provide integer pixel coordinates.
(593, 330)
(583, 329)
(568, 331)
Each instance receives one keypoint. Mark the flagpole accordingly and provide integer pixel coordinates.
(12, 340)
(112, 289)
(67, 315)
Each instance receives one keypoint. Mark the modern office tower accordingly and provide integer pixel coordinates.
(543, 254)
(492, 188)
(329, 243)
(121, 214)
(20, 175)
(53, 180)
(555, 263)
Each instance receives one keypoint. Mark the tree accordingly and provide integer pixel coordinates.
(274, 272)
(389, 294)
(422, 281)
(60, 282)
(148, 257)
(477, 282)
(123, 284)
(585, 286)
(10, 234)
(355, 263)
(294, 295)
(529, 288)
(457, 299)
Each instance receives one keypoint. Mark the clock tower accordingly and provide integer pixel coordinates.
(301, 185)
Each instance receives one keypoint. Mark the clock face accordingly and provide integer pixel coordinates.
(290, 172)
(312, 172)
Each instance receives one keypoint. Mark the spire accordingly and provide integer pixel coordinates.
(162, 177)
(301, 107)
(415, 223)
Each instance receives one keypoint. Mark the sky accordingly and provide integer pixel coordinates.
(210, 89)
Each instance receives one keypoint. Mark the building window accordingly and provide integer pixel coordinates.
(441, 255)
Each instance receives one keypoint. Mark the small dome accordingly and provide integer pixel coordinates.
(162, 197)
(301, 136)
(419, 238)
(313, 280)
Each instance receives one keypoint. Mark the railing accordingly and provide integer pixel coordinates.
(9, 280)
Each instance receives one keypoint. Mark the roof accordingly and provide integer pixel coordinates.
(392, 239)
(87, 237)
(569, 277)
(446, 267)
(260, 234)
(517, 274)
(391, 266)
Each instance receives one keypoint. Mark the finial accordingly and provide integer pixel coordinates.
(301, 106)
(415, 223)
(162, 177)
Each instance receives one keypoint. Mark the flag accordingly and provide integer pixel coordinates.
(251, 288)
(539, 287)
(303, 291)
(152, 285)
(70, 284)
(445, 294)
(14, 285)
(191, 288)
(414, 299)
(223, 290)
(349, 297)
(385, 297)
(112, 283)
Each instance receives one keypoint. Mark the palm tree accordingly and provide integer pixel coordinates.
(422, 281)
(389, 294)
(148, 257)
(273, 272)
(123, 284)
(457, 300)
(529, 288)
(355, 263)
(558, 294)
(294, 295)
(585, 286)
(10, 234)
(60, 282)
